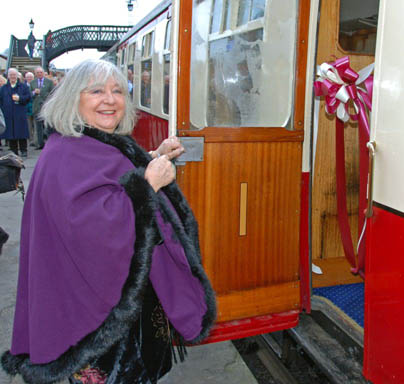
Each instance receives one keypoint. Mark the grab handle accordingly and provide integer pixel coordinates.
(372, 150)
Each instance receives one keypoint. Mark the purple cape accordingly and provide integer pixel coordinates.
(77, 241)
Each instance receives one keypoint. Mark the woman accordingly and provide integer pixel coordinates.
(2, 82)
(110, 267)
(14, 97)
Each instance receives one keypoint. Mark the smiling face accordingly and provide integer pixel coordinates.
(103, 106)
(12, 75)
(39, 73)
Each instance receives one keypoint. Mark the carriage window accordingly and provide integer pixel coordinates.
(147, 44)
(217, 16)
(167, 40)
(145, 88)
(243, 77)
(227, 15)
(146, 70)
(123, 57)
(166, 83)
(250, 10)
(243, 12)
(258, 9)
(131, 56)
(358, 25)
(166, 69)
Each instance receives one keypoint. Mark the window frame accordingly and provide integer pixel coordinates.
(166, 51)
(147, 53)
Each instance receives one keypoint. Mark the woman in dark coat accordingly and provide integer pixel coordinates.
(110, 267)
(14, 96)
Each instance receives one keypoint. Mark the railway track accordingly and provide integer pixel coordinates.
(317, 351)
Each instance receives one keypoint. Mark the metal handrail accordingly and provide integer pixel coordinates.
(10, 51)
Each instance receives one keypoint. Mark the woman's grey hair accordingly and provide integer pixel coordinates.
(61, 110)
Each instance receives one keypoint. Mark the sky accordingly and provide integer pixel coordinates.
(56, 14)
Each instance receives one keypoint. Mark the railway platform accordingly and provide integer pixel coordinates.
(218, 363)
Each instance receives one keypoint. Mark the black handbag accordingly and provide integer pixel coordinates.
(10, 170)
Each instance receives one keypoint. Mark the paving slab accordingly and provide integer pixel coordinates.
(218, 363)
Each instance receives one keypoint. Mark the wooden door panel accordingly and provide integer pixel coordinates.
(268, 254)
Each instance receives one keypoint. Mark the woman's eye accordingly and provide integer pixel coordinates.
(96, 91)
(118, 91)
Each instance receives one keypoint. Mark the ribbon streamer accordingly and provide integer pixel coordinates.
(339, 84)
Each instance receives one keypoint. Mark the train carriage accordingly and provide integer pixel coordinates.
(262, 169)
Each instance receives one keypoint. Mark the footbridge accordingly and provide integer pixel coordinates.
(55, 43)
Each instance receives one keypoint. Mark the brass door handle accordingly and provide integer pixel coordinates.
(372, 150)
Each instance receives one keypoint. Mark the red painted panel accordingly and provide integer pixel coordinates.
(304, 268)
(150, 130)
(384, 299)
(253, 326)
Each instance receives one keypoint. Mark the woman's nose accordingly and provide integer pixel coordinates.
(109, 97)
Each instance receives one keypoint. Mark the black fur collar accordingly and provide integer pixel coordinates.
(118, 324)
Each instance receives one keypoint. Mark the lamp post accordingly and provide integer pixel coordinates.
(130, 4)
(31, 40)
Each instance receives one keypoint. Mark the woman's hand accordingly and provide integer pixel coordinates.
(160, 172)
(170, 147)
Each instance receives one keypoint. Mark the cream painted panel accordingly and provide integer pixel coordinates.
(311, 62)
(387, 123)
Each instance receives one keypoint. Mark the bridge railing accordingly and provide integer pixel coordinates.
(19, 48)
(55, 43)
(82, 36)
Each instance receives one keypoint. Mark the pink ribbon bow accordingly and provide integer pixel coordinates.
(339, 83)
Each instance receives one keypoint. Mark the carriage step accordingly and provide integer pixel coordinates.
(339, 364)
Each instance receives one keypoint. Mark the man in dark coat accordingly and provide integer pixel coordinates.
(40, 88)
(14, 96)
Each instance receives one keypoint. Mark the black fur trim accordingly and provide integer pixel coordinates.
(122, 317)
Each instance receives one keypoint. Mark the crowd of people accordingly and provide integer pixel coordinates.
(21, 98)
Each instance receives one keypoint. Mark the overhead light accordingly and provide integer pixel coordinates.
(31, 25)
(130, 6)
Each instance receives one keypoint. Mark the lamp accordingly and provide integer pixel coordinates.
(130, 6)
(31, 25)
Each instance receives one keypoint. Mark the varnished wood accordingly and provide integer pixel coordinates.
(336, 271)
(244, 134)
(184, 64)
(301, 58)
(273, 299)
(326, 238)
(269, 253)
(256, 273)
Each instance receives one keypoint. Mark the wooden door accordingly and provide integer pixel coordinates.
(246, 191)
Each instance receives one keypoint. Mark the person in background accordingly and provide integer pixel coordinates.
(3, 81)
(110, 267)
(31, 45)
(3, 238)
(130, 81)
(145, 95)
(29, 76)
(40, 87)
(14, 96)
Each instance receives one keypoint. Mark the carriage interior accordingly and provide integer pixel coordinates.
(346, 27)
